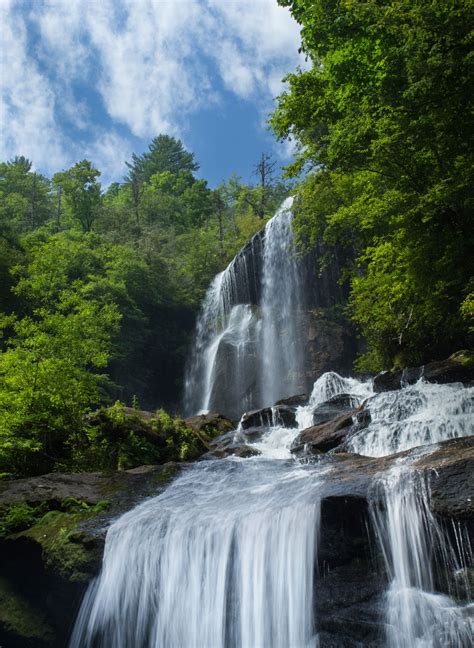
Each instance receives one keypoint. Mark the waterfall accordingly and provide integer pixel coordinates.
(282, 310)
(421, 414)
(409, 535)
(226, 556)
(248, 349)
(410, 539)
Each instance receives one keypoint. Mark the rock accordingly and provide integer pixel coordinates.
(238, 450)
(46, 565)
(457, 368)
(451, 470)
(323, 437)
(228, 444)
(335, 406)
(212, 424)
(278, 415)
(138, 422)
(294, 401)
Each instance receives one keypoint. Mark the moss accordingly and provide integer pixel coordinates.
(70, 553)
(19, 618)
(464, 358)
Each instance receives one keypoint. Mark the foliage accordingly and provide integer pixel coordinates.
(381, 121)
(98, 297)
(81, 191)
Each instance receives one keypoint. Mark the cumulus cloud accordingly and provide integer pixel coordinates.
(27, 102)
(148, 64)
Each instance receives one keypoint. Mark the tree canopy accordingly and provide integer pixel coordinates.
(383, 125)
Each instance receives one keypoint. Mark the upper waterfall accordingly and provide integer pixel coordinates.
(248, 348)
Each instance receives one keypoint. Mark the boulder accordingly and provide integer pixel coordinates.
(232, 443)
(349, 589)
(294, 401)
(335, 406)
(324, 437)
(457, 368)
(52, 533)
(278, 415)
(212, 423)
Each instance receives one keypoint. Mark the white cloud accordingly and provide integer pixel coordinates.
(152, 63)
(27, 103)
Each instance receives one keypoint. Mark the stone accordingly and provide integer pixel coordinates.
(457, 368)
(335, 406)
(213, 422)
(278, 415)
(45, 568)
(323, 437)
(294, 401)
(232, 443)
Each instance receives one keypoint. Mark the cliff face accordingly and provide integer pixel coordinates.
(270, 325)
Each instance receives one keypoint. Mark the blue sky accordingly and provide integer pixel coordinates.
(98, 79)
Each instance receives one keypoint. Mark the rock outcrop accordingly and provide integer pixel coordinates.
(323, 437)
(279, 415)
(52, 532)
(457, 368)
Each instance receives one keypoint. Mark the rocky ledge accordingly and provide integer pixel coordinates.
(457, 368)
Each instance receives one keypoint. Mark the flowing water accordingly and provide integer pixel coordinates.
(411, 539)
(225, 556)
(248, 349)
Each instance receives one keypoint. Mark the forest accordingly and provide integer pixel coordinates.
(99, 287)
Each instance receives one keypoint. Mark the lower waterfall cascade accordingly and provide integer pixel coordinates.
(226, 556)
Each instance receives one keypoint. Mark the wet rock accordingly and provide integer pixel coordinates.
(237, 450)
(278, 415)
(350, 591)
(335, 406)
(457, 368)
(294, 401)
(451, 472)
(228, 444)
(349, 608)
(323, 437)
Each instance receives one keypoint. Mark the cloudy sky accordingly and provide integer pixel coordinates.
(100, 78)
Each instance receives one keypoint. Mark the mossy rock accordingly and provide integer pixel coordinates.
(68, 552)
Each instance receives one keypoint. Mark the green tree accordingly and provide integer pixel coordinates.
(25, 198)
(384, 135)
(82, 192)
(48, 379)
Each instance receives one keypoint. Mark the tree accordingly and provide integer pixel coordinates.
(26, 200)
(384, 135)
(48, 368)
(82, 192)
(165, 153)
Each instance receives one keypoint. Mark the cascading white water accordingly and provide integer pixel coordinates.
(282, 311)
(408, 533)
(224, 558)
(410, 538)
(414, 416)
(249, 354)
